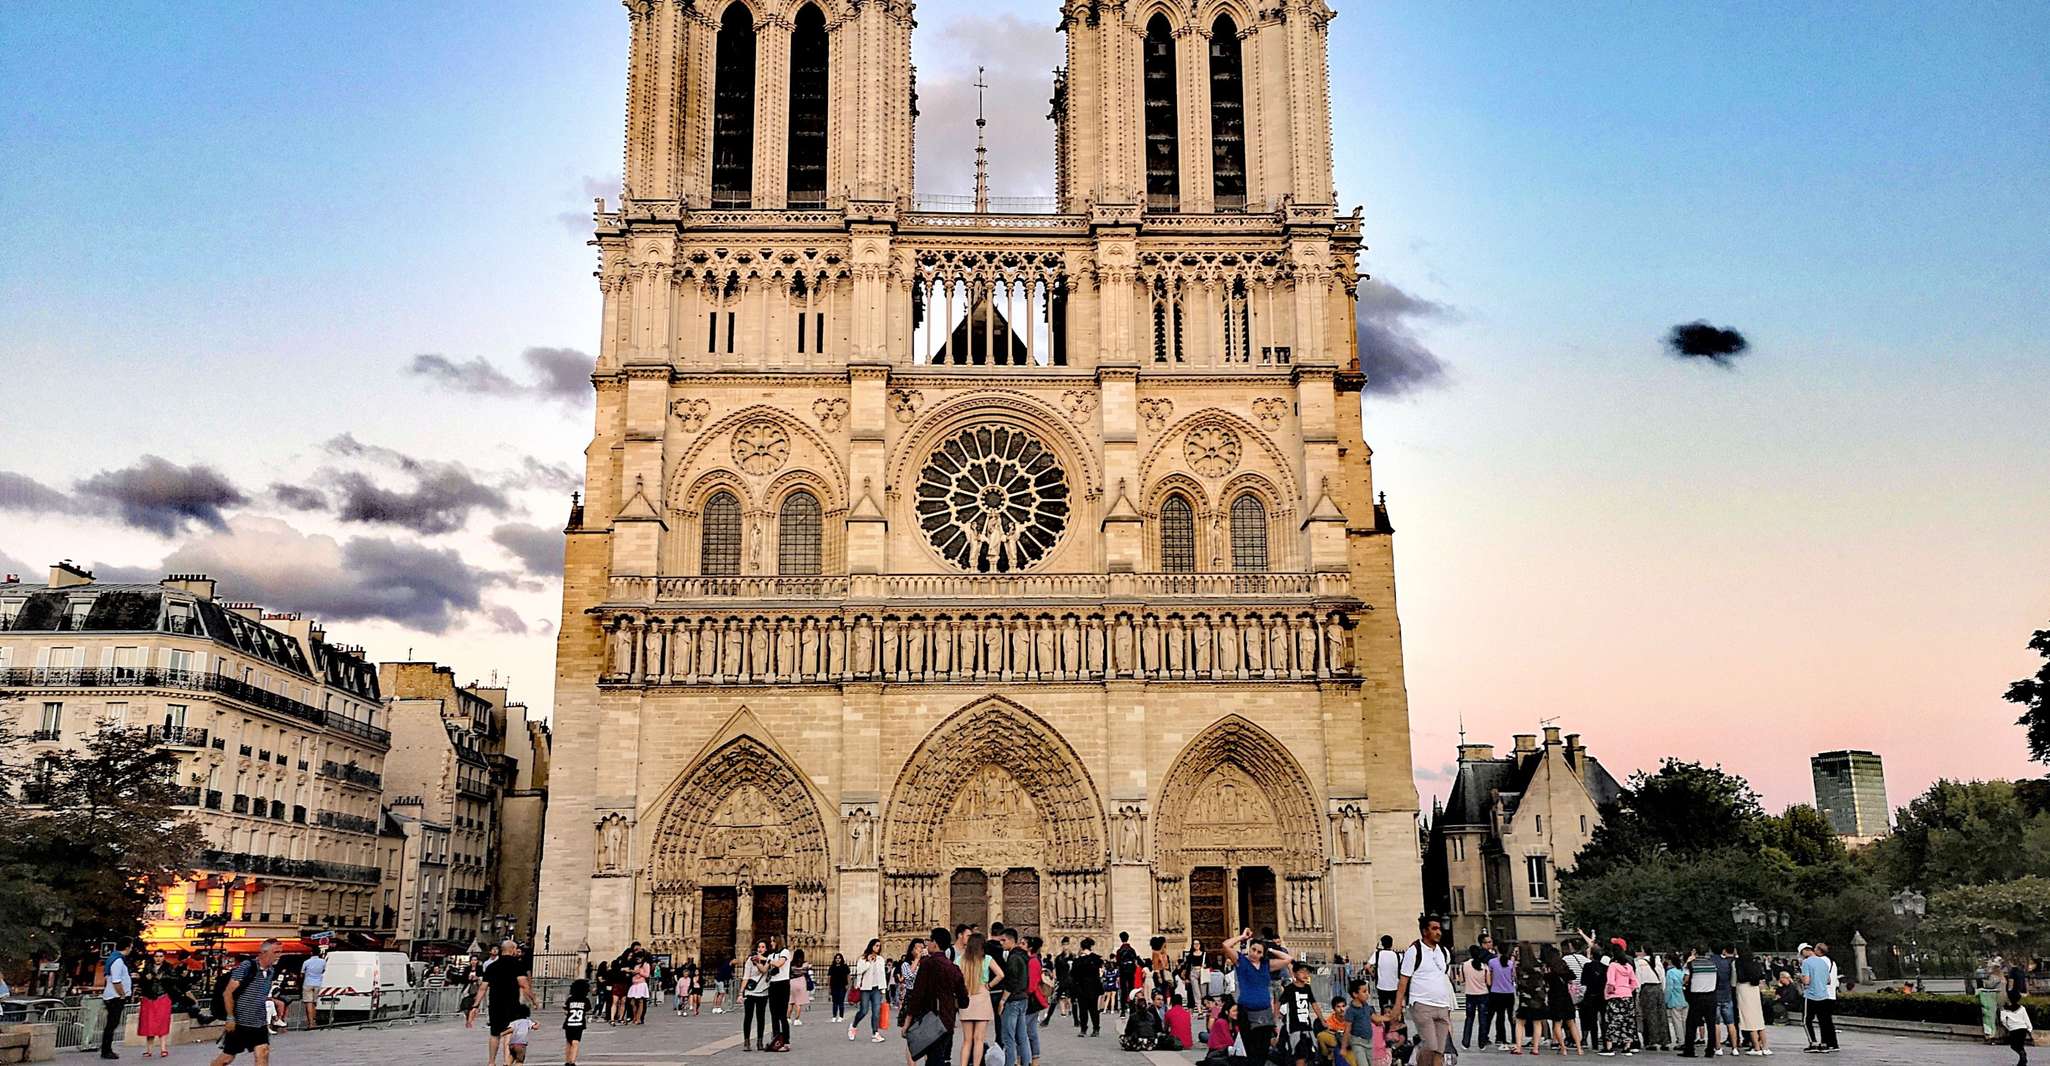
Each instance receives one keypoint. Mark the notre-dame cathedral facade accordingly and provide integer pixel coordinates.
(939, 563)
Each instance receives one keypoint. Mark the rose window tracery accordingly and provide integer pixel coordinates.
(992, 499)
(1212, 449)
(760, 446)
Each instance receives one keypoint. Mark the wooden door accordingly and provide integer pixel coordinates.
(719, 918)
(968, 899)
(1021, 901)
(1207, 922)
(772, 913)
(1256, 899)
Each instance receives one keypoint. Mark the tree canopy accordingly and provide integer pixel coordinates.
(2033, 694)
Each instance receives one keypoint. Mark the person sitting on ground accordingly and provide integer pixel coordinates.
(1180, 1024)
(1142, 1025)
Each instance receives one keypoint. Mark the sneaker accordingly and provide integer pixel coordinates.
(797, 1021)
(850, 1032)
(875, 1038)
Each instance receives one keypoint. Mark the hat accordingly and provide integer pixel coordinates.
(1804, 947)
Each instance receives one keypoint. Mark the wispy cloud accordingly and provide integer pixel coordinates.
(1395, 360)
(559, 374)
(538, 548)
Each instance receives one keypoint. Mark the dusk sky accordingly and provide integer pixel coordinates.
(229, 231)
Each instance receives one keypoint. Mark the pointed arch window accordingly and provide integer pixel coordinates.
(1163, 137)
(719, 544)
(806, 172)
(1177, 536)
(797, 535)
(1248, 534)
(733, 110)
(1227, 116)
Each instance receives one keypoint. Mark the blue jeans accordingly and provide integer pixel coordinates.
(871, 1006)
(1032, 1034)
(1014, 1029)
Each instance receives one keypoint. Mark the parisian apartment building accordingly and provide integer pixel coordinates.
(461, 788)
(280, 734)
(1510, 824)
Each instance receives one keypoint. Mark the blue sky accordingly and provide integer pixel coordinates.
(226, 231)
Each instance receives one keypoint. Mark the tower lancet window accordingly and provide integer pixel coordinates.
(733, 110)
(806, 173)
(1177, 536)
(1227, 117)
(1163, 141)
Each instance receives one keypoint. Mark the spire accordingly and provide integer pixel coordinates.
(981, 151)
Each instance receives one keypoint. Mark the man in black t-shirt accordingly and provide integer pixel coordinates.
(506, 986)
(1127, 959)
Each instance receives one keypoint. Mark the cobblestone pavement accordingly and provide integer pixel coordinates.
(667, 1040)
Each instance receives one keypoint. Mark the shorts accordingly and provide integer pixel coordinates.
(1726, 1010)
(572, 1033)
(310, 993)
(500, 1025)
(244, 1038)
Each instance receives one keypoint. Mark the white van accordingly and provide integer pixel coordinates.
(368, 984)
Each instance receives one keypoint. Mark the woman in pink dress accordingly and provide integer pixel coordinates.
(153, 1015)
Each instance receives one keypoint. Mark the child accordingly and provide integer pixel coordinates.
(517, 1035)
(1335, 1042)
(576, 1010)
(1390, 1043)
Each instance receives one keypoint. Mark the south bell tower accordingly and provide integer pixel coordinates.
(941, 562)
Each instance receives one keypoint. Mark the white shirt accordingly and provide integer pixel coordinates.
(117, 975)
(1429, 971)
(1386, 970)
(779, 966)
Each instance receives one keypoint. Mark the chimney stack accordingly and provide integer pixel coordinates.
(1526, 743)
(199, 585)
(1574, 752)
(1476, 752)
(1551, 736)
(68, 573)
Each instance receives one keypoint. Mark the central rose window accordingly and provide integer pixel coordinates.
(992, 499)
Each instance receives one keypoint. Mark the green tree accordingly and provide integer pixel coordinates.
(2011, 917)
(1964, 833)
(1683, 809)
(84, 864)
(1804, 835)
(2033, 693)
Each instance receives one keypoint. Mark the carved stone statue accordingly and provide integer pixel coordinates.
(1071, 648)
(992, 647)
(860, 839)
(914, 649)
(1121, 646)
(943, 649)
(1045, 662)
(1131, 835)
(1199, 646)
(808, 651)
(1149, 647)
(1175, 648)
(622, 649)
(836, 651)
(1228, 647)
(754, 548)
(1336, 651)
(729, 652)
(612, 857)
(1277, 645)
(864, 649)
(1092, 647)
(1351, 831)
(1305, 647)
(891, 644)
(708, 650)
(758, 650)
(1020, 633)
(683, 643)
(786, 650)
(1256, 648)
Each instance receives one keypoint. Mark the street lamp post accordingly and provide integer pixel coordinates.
(1909, 906)
(1748, 917)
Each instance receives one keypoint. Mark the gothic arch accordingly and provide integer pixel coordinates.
(994, 406)
(720, 432)
(1164, 452)
(1233, 749)
(740, 814)
(993, 731)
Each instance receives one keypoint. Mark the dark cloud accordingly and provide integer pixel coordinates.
(360, 579)
(560, 374)
(537, 548)
(475, 375)
(578, 221)
(151, 493)
(441, 502)
(19, 492)
(1697, 340)
(1394, 359)
(505, 619)
(1020, 56)
(298, 497)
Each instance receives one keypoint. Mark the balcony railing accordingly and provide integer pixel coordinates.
(473, 790)
(468, 897)
(351, 774)
(1002, 205)
(48, 734)
(178, 736)
(350, 823)
(317, 869)
(997, 588)
(191, 681)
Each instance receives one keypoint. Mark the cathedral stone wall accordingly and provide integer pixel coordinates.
(970, 565)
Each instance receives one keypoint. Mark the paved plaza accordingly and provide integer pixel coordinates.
(667, 1040)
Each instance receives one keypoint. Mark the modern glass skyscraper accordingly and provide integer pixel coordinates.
(1850, 790)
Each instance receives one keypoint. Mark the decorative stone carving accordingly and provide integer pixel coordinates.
(1155, 413)
(861, 831)
(760, 446)
(1212, 449)
(1131, 839)
(993, 500)
(830, 411)
(904, 403)
(1080, 404)
(690, 414)
(1269, 411)
(612, 858)
(1231, 784)
(1349, 833)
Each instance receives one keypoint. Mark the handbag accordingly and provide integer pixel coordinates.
(921, 1036)
(993, 1055)
(2015, 1019)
